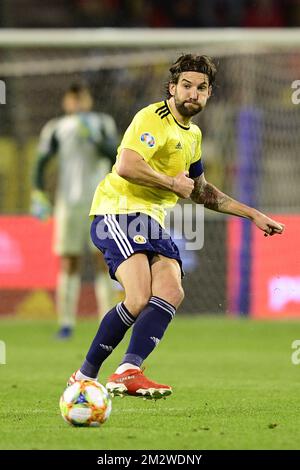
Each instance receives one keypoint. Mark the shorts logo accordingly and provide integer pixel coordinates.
(139, 239)
(148, 139)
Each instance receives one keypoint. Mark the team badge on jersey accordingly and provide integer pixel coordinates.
(148, 139)
(139, 239)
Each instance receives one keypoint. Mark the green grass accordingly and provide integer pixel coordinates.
(234, 388)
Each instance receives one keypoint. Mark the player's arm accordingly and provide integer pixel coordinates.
(133, 163)
(212, 198)
(39, 168)
(109, 148)
(109, 138)
(135, 169)
(47, 148)
(40, 205)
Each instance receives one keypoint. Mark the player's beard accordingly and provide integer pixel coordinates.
(185, 111)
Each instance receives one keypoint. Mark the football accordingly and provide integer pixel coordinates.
(85, 403)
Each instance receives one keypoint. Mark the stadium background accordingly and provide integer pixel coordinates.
(250, 143)
(235, 379)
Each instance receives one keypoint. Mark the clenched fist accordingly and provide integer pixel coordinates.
(183, 185)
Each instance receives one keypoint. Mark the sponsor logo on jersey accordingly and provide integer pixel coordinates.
(139, 239)
(178, 146)
(148, 139)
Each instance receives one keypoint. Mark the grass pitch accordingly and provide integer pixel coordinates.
(235, 387)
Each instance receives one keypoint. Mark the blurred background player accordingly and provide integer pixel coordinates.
(84, 142)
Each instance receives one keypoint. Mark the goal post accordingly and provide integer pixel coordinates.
(237, 38)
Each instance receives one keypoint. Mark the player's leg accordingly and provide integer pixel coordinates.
(148, 330)
(166, 280)
(167, 295)
(68, 245)
(135, 276)
(104, 288)
(133, 272)
(103, 284)
(120, 254)
(67, 294)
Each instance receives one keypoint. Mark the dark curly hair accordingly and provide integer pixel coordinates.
(192, 63)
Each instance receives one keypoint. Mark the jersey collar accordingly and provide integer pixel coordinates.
(178, 123)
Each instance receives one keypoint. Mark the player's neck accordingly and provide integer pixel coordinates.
(184, 120)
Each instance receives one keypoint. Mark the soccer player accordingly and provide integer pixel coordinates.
(158, 161)
(84, 142)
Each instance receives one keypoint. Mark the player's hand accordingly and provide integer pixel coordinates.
(267, 225)
(40, 206)
(183, 185)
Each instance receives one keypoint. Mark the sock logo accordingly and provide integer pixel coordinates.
(107, 348)
(155, 340)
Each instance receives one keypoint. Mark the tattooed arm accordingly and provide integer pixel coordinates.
(212, 198)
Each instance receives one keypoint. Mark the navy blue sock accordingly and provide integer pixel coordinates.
(111, 331)
(148, 330)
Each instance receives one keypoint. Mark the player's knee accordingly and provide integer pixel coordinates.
(180, 295)
(137, 302)
(176, 296)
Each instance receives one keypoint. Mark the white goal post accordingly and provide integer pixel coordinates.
(143, 46)
(146, 37)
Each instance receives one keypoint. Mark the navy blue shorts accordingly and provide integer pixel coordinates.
(118, 236)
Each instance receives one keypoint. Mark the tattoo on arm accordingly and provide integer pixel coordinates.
(211, 197)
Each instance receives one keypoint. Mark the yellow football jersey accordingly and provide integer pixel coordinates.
(167, 146)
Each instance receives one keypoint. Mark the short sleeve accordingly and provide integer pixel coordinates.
(145, 135)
